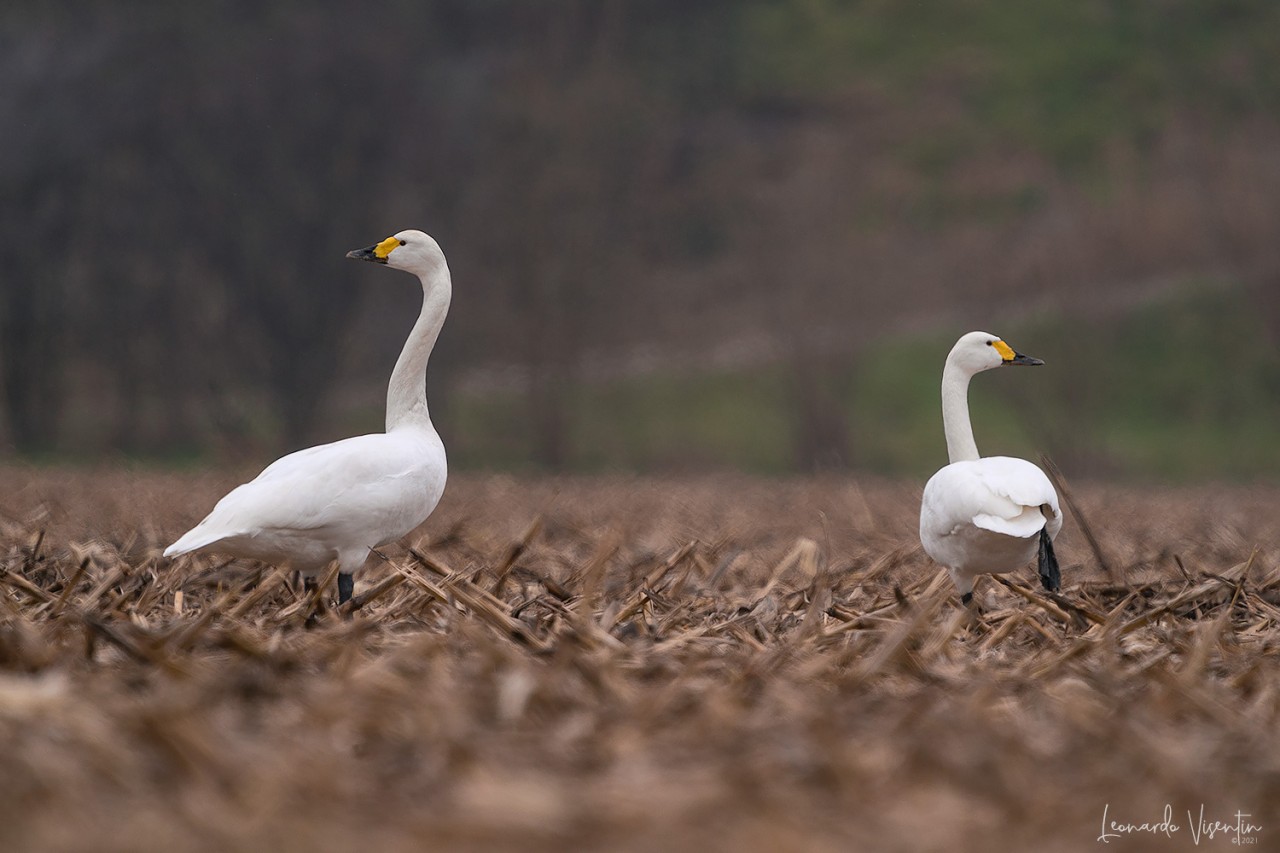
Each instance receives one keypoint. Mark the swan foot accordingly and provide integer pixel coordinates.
(974, 615)
(346, 586)
(1047, 564)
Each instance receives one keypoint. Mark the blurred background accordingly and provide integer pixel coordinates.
(683, 236)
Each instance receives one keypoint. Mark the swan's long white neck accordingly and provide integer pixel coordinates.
(955, 413)
(407, 391)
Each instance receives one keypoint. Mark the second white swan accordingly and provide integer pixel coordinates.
(990, 514)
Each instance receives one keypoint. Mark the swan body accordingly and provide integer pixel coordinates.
(337, 501)
(992, 514)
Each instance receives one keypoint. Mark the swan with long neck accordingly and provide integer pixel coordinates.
(985, 515)
(336, 502)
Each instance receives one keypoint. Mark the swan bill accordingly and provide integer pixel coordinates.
(369, 253)
(1008, 355)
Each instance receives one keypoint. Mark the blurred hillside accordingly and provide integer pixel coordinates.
(682, 235)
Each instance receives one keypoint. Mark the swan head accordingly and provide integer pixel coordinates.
(979, 351)
(412, 251)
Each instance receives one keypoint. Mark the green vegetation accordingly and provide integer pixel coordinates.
(601, 173)
(1153, 393)
(1063, 76)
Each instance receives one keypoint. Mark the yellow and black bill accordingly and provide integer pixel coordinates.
(377, 253)
(1011, 356)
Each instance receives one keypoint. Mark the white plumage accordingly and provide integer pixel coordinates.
(337, 501)
(985, 515)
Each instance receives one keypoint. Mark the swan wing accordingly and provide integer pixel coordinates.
(997, 493)
(376, 483)
(1018, 480)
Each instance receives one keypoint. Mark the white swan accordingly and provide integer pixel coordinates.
(985, 515)
(339, 500)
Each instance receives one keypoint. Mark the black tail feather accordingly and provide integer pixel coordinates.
(347, 585)
(1047, 563)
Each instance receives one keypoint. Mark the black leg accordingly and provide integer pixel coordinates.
(308, 584)
(966, 598)
(1047, 563)
(346, 585)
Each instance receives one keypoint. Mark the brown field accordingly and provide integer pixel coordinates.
(634, 664)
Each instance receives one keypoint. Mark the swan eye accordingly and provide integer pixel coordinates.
(402, 242)
(989, 343)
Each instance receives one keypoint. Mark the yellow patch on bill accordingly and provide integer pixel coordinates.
(384, 248)
(1006, 351)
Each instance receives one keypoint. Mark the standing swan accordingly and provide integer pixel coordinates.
(339, 500)
(992, 514)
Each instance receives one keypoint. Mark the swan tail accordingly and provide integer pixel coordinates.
(192, 540)
(1050, 575)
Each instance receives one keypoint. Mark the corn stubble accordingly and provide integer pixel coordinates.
(702, 663)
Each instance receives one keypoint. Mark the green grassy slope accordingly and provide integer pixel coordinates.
(1154, 393)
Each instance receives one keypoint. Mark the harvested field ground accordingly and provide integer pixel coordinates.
(622, 664)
